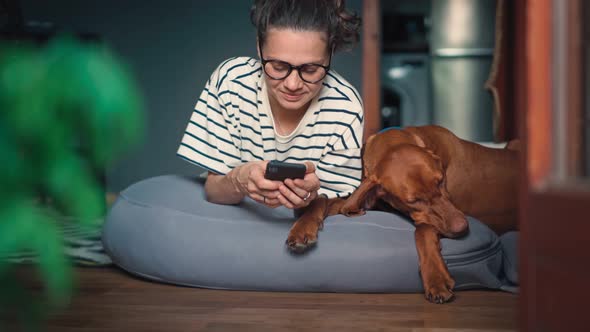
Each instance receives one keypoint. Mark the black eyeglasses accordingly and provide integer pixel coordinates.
(308, 72)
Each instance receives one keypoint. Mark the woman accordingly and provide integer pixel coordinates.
(288, 105)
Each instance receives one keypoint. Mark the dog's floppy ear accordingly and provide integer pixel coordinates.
(369, 139)
(419, 141)
(433, 155)
(363, 198)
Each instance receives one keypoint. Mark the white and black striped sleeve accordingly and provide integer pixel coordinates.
(210, 140)
(340, 167)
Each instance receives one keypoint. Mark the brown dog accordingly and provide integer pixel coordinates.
(435, 178)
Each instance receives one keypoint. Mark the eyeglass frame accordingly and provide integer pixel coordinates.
(291, 67)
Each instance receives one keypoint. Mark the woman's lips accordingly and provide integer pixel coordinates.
(292, 96)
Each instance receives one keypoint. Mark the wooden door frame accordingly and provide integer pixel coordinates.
(553, 205)
(371, 66)
(549, 93)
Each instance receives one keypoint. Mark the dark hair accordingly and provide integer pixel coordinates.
(330, 16)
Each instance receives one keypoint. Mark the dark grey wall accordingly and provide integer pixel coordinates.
(172, 47)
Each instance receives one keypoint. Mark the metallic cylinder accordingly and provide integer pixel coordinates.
(462, 46)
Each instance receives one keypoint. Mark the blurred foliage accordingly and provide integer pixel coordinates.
(55, 101)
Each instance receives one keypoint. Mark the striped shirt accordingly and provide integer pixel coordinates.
(232, 124)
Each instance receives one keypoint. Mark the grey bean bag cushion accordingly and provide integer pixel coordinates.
(163, 229)
(510, 257)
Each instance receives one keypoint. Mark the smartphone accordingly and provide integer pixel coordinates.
(279, 171)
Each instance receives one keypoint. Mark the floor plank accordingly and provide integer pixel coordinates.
(109, 299)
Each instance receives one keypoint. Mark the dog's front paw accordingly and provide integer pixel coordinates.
(439, 290)
(350, 210)
(302, 237)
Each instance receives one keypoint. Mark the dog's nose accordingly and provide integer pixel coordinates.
(458, 226)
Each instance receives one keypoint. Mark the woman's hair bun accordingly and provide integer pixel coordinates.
(331, 16)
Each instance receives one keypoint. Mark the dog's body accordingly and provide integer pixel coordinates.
(434, 177)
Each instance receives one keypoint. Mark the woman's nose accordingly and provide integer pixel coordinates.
(293, 81)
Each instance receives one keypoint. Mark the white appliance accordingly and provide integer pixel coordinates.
(405, 90)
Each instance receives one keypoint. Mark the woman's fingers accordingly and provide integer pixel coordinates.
(298, 190)
(293, 200)
(260, 189)
(285, 202)
(270, 200)
(291, 194)
(310, 167)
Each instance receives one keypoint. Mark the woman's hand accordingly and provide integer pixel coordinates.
(249, 180)
(298, 193)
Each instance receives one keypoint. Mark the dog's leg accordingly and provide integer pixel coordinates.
(304, 232)
(437, 281)
(363, 198)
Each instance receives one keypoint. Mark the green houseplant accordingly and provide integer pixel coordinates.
(55, 101)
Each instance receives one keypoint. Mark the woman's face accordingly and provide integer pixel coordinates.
(296, 48)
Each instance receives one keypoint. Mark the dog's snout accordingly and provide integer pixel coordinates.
(455, 221)
(458, 226)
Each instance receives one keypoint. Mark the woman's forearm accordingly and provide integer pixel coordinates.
(220, 189)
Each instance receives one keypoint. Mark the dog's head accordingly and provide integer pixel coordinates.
(412, 180)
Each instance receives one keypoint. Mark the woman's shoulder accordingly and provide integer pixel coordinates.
(336, 87)
(237, 67)
(337, 90)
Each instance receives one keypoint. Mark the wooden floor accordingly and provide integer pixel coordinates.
(111, 300)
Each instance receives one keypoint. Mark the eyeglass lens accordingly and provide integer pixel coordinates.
(279, 70)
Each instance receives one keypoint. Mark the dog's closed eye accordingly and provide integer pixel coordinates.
(414, 200)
